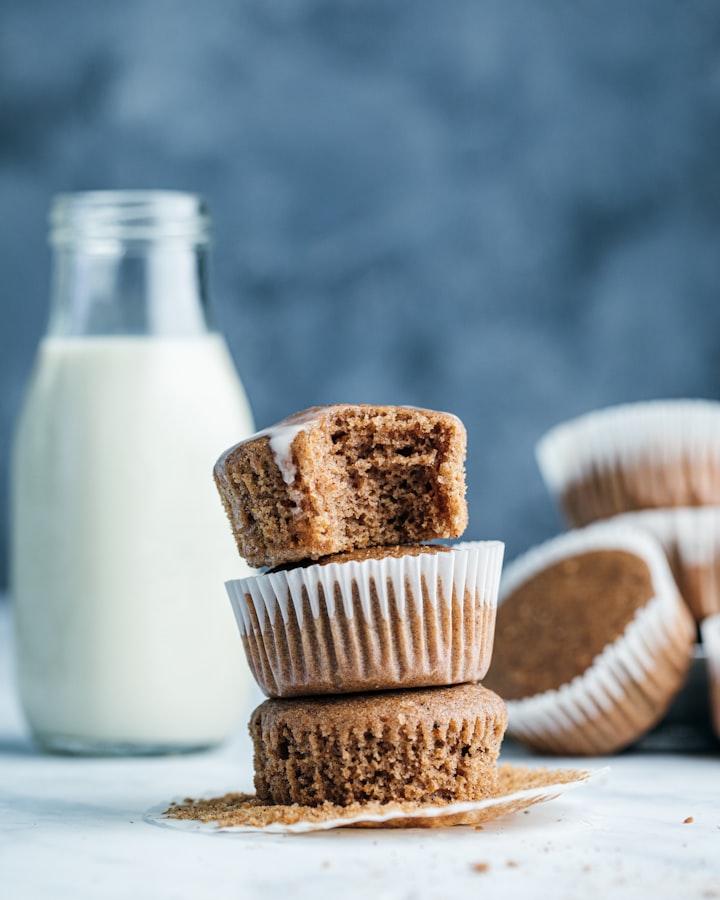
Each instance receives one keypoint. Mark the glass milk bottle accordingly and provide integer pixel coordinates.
(125, 639)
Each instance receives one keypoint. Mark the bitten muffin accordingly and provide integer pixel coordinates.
(432, 744)
(637, 456)
(337, 478)
(373, 619)
(592, 641)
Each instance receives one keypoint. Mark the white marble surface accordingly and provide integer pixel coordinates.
(73, 828)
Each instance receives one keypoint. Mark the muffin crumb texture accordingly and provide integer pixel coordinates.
(339, 478)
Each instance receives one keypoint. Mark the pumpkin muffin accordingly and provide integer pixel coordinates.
(425, 745)
(372, 619)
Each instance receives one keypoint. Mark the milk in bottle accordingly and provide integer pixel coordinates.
(125, 640)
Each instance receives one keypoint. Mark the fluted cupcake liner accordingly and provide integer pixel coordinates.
(690, 537)
(636, 456)
(375, 624)
(710, 632)
(630, 684)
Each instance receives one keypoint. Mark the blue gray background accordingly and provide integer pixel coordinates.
(510, 210)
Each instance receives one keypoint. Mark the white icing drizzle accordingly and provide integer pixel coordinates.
(281, 439)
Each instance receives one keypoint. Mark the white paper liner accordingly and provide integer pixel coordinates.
(377, 623)
(661, 431)
(588, 699)
(690, 537)
(710, 632)
(467, 812)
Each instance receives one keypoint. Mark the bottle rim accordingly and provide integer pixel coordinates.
(128, 215)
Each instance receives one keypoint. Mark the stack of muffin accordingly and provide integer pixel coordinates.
(640, 483)
(370, 642)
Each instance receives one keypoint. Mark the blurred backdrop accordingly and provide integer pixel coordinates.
(509, 210)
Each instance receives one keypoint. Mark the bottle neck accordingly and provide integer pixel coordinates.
(129, 264)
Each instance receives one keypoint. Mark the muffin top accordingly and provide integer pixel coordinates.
(342, 478)
(413, 708)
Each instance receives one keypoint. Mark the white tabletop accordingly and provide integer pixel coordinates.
(74, 828)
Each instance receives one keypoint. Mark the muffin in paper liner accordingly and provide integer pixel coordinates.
(644, 656)
(377, 624)
(710, 631)
(651, 455)
(690, 537)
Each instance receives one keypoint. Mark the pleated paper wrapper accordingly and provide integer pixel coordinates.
(637, 456)
(412, 621)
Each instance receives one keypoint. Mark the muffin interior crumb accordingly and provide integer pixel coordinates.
(387, 480)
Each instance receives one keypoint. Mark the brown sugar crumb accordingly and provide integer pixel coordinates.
(337, 478)
(481, 867)
(580, 604)
(688, 821)
(511, 864)
(245, 810)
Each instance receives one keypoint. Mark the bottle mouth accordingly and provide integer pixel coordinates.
(97, 216)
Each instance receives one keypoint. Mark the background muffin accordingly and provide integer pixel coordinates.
(637, 456)
(592, 641)
(690, 537)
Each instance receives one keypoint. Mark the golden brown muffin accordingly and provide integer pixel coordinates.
(338, 478)
(424, 745)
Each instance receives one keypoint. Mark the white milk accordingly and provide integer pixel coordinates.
(121, 547)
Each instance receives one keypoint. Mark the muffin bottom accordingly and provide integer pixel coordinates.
(643, 701)
(421, 745)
